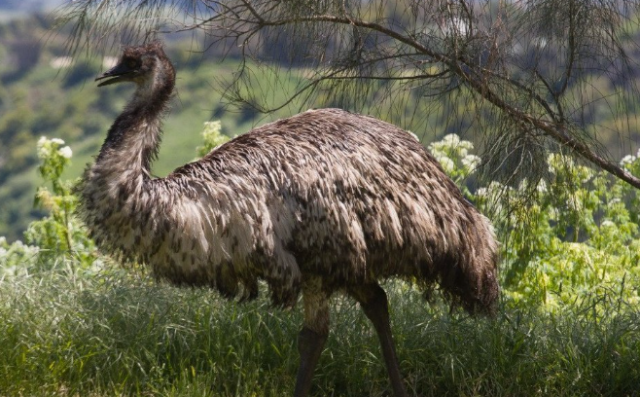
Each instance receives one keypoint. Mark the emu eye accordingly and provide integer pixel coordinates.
(131, 63)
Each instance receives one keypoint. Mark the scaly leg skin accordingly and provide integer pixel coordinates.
(313, 335)
(310, 344)
(373, 301)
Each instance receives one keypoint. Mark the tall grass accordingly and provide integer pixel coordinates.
(118, 334)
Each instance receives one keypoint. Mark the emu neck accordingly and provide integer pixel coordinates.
(133, 140)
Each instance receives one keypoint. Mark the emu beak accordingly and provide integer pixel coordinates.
(118, 74)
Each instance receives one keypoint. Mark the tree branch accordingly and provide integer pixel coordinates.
(558, 133)
(454, 53)
(555, 130)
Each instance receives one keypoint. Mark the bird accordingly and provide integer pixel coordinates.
(324, 202)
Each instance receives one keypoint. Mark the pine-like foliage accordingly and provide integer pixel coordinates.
(523, 76)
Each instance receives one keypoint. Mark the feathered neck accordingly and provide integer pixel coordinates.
(133, 140)
(116, 199)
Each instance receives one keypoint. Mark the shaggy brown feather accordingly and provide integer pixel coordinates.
(323, 201)
(327, 193)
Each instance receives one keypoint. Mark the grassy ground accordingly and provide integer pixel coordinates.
(120, 334)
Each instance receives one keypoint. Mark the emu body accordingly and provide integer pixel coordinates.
(321, 202)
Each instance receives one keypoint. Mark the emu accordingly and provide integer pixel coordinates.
(325, 201)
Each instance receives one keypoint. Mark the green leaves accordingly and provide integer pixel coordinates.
(59, 236)
(573, 235)
(212, 137)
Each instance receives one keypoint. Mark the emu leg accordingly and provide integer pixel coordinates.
(310, 344)
(313, 335)
(373, 301)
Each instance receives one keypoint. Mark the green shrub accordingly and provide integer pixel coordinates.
(562, 240)
(212, 137)
(59, 239)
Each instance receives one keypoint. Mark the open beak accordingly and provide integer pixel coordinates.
(116, 74)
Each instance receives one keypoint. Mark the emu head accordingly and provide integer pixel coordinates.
(141, 65)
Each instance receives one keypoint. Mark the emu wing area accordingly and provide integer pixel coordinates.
(344, 196)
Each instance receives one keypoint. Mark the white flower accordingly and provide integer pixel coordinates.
(471, 162)
(446, 163)
(628, 159)
(448, 141)
(414, 136)
(43, 147)
(210, 126)
(65, 152)
(542, 186)
(58, 141)
(607, 223)
(451, 140)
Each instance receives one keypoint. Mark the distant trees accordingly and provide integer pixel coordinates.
(26, 52)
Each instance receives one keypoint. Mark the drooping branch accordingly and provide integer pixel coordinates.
(558, 133)
(554, 128)
(443, 45)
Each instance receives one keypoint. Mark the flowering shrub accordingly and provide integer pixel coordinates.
(60, 236)
(573, 236)
(456, 160)
(16, 259)
(212, 137)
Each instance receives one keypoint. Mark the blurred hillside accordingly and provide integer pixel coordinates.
(45, 93)
(12, 9)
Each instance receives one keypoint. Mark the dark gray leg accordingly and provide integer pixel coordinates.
(310, 345)
(314, 333)
(373, 301)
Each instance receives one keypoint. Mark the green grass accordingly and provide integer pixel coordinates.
(63, 334)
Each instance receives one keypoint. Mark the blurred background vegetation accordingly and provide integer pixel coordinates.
(43, 92)
(73, 323)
